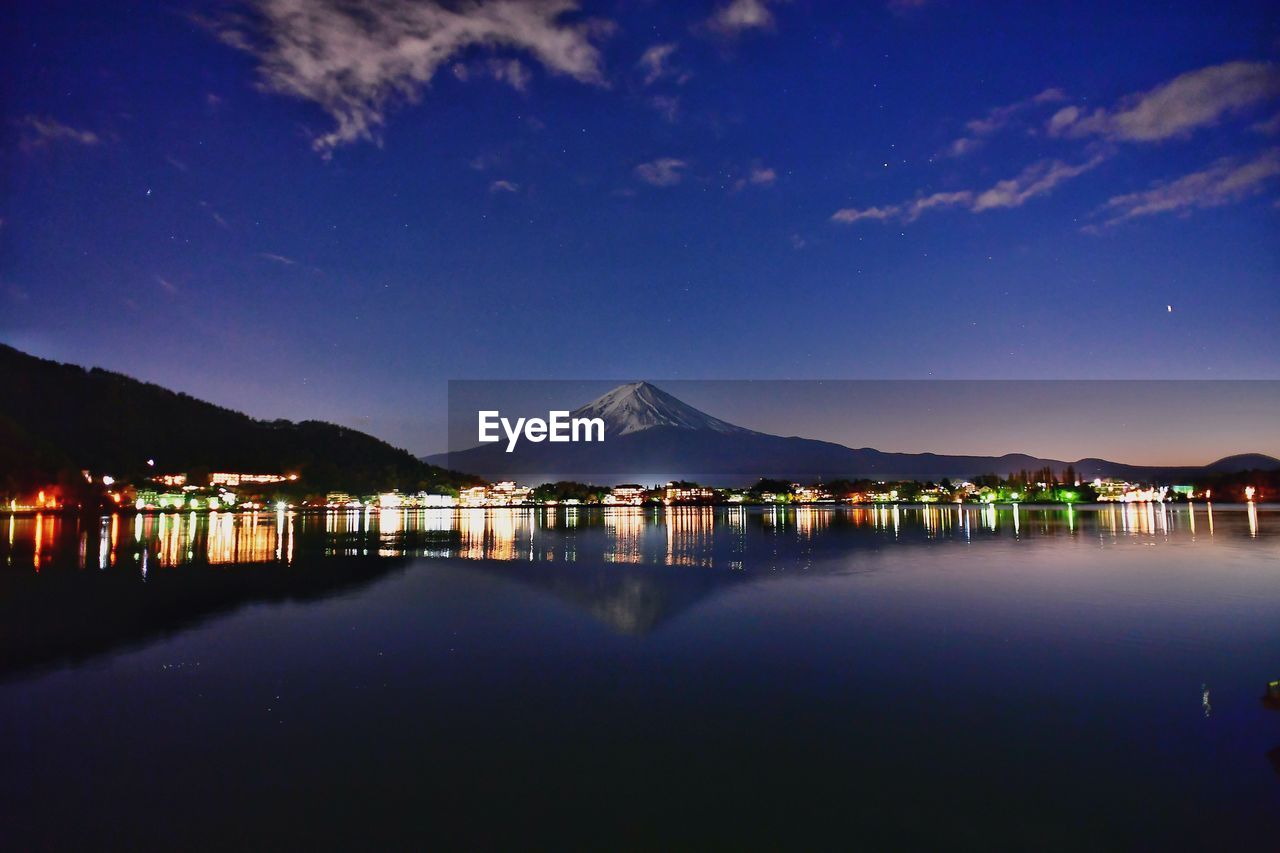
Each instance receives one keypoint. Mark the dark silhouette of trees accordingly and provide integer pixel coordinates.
(58, 419)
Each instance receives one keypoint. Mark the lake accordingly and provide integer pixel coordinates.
(877, 677)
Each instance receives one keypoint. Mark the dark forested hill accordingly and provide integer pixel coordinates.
(56, 419)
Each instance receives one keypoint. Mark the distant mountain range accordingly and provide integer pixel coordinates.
(56, 419)
(649, 433)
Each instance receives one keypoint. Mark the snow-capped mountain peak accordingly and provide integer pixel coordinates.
(638, 406)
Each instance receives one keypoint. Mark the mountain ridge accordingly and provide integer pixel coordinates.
(57, 419)
(649, 431)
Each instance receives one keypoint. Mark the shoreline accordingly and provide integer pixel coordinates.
(309, 510)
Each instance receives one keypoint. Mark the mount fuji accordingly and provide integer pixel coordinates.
(639, 406)
(651, 436)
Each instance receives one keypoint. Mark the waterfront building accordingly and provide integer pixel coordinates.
(626, 494)
(1110, 490)
(223, 478)
(473, 496)
(677, 494)
(809, 494)
(507, 493)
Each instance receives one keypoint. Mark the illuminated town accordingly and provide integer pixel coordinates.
(254, 491)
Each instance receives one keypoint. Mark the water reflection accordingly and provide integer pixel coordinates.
(1069, 646)
(676, 536)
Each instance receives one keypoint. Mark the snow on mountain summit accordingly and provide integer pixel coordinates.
(639, 406)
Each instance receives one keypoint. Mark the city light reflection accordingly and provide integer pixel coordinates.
(676, 535)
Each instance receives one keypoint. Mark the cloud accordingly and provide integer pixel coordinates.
(503, 187)
(916, 207)
(997, 119)
(38, 131)
(512, 72)
(1226, 181)
(357, 61)
(1184, 104)
(217, 217)
(738, 16)
(654, 62)
(1040, 178)
(279, 259)
(668, 106)
(166, 284)
(1062, 120)
(961, 146)
(757, 176)
(1037, 179)
(1269, 126)
(850, 215)
(663, 172)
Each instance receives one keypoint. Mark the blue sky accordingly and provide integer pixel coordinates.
(284, 208)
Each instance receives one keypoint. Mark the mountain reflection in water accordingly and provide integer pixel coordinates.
(966, 677)
(71, 588)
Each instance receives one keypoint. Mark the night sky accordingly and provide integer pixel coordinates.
(301, 211)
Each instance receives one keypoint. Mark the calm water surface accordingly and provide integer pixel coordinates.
(876, 678)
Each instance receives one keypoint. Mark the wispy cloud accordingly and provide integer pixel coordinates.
(739, 16)
(1177, 108)
(663, 172)
(668, 106)
(997, 119)
(850, 215)
(655, 62)
(169, 286)
(512, 72)
(38, 131)
(357, 61)
(279, 259)
(1035, 180)
(503, 187)
(1269, 126)
(1226, 181)
(217, 217)
(757, 176)
(1040, 178)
